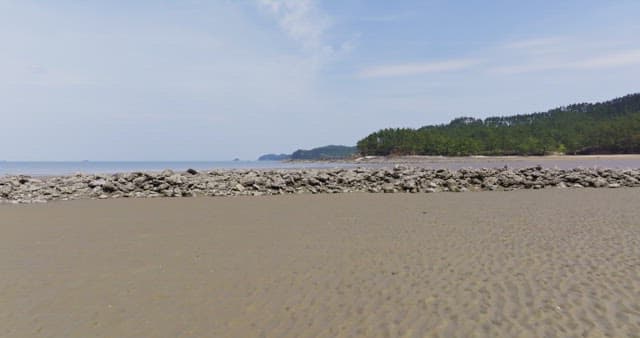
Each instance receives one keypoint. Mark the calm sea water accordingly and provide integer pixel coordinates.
(97, 167)
(91, 167)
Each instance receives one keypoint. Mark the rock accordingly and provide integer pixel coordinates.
(572, 178)
(97, 183)
(599, 182)
(175, 179)
(323, 178)
(278, 183)
(139, 181)
(166, 173)
(192, 171)
(128, 187)
(5, 190)
(388, 188)
(108, 187)
(490, 181)
(248, 181)
(25, 189)
(313, 181)
(409, 185)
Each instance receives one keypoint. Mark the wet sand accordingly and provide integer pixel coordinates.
(620, 161)
(547, 263)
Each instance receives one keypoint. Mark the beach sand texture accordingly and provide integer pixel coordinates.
(547, 263)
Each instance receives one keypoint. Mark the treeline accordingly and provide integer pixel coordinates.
(274, 157)
(611, 127)
(331, 152)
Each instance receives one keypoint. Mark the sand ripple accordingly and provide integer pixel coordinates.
(551, 263)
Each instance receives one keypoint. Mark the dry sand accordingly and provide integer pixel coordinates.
(550, 263)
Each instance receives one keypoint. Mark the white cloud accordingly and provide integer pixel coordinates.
(535, 43)
(525, 68)
(301, 20)
(617, 59)
(385, 18)
(624, 58)
(407, 69)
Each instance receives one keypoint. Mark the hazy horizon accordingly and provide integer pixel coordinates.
(198, 80)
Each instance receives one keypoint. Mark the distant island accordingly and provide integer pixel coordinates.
(611, 127)
(330, 152)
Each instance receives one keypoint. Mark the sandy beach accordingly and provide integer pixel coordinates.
(548, 161)
(544, 263)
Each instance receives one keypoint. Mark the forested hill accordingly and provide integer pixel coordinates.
(611, 127)
(330, 152)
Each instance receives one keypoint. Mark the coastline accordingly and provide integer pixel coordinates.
(430, 158)
(59, 168)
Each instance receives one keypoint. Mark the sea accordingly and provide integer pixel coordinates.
(453, 163)
(51, 168)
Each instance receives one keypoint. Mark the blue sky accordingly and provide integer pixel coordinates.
(215, 80)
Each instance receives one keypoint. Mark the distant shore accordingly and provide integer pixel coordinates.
(430, 158)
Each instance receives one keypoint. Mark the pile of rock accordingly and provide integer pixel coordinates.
(25, 189)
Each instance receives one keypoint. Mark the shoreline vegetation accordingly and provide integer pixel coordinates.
(330, 152)
(611, 127)
(255, 182)
(603, 128)
(395, 159)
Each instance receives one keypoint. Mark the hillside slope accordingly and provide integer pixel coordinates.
(611, 127)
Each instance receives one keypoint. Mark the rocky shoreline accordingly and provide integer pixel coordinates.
(26, 189)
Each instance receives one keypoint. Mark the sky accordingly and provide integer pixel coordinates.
(217, 80)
